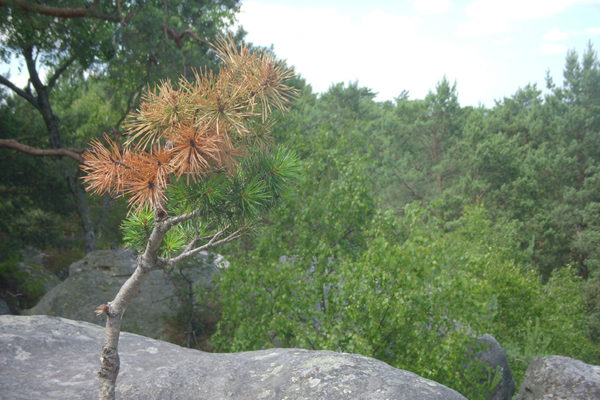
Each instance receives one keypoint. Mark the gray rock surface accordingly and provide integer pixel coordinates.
(493, 356)
(560, 378)
(96, 279)
(4, 308)
(45, 357)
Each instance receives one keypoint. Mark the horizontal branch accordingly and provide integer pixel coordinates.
(60, 12)
(213, 242)
(24, 94)
(13, 144)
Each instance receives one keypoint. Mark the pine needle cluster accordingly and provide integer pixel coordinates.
(190, 130)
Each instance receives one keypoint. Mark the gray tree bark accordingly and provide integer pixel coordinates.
(147, 261)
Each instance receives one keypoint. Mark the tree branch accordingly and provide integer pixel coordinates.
(168, 31)
(24, 94)
(60, 71)
(59, 12)
(121, 18)
(412, 191)
(180, 218)
(33, 74)
(178, 36)
(13, 144)
(213, 242)
(130, 100)
(196, 239)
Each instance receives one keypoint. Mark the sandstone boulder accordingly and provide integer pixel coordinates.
(560, 378)
(55, 358)
(494, 359)
(95, 279)
(4, 309)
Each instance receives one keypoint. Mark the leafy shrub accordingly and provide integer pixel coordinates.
(416, 297)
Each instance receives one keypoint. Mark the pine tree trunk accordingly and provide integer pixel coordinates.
(109, 358)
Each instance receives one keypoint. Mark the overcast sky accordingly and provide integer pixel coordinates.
(490, 48)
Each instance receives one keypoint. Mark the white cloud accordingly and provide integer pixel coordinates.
(378, 19)
(549, 49)
(429, 7)
(593, 31)
(314, 48)
(489, 17)
(505, 41)
(333, 48)
(482, 27)
(384, 51)
(516, 10)
(555, 35)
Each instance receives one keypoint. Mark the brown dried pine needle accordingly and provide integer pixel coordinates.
(191, 129)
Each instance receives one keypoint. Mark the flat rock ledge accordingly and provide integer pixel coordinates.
(44, 357)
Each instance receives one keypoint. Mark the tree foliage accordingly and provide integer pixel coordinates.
(112, 50)
(373, 255)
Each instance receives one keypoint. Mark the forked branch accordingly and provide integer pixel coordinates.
(21, 92)
(190, 250)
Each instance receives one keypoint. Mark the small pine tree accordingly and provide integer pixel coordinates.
(195, 168)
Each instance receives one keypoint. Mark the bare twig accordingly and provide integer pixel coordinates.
(130, 102)
(197, 239)
(211, 243)
(121, 18)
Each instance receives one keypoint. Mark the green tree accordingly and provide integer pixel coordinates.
(440, 127)
(129, 42)
(415, 296)
(416, 149)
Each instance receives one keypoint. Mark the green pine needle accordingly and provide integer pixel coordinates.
(137, 227)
